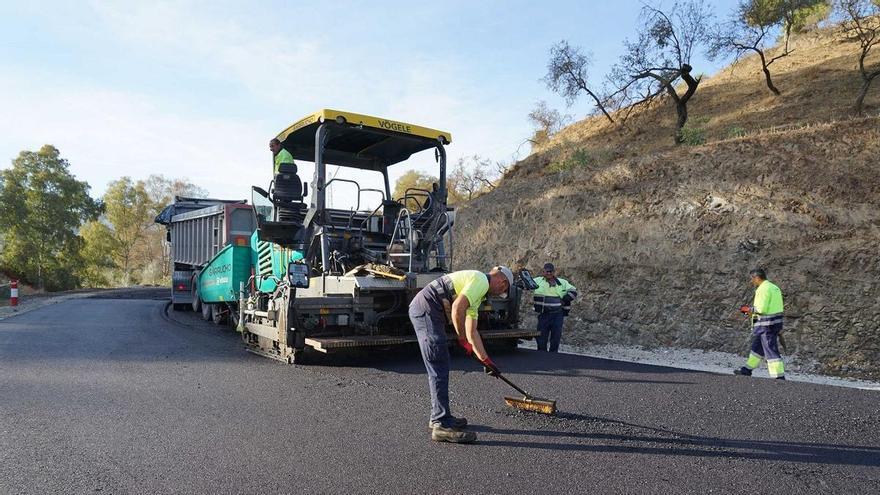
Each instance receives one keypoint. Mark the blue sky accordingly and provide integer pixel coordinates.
(197, 89)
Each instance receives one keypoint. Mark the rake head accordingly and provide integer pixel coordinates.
(534, 404)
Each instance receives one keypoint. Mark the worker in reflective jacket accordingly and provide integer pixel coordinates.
(453, 298)
(281, 155)
(553, 299)
(766, 314)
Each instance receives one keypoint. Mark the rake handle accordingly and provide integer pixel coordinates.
(505, 380)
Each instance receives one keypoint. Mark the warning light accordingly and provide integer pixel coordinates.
(241, 240)
(181, 287)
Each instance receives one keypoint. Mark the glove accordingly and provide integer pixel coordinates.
(468, 348)
(567, 299)
(745, 309)
(489, 367)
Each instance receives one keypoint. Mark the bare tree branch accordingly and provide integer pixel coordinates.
(567, 75)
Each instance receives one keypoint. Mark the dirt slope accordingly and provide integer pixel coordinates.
(661, 238)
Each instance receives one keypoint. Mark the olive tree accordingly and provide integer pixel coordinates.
(568, 75)
(658, 60)
(861, 22)
(749, 29)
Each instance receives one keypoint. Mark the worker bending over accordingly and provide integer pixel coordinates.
(281, 155)
(552, 299)
(766, 314)
(456, 297)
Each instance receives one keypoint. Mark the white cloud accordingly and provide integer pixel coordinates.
(107, 134)
(109, 131)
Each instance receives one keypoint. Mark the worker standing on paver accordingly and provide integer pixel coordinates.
(552, 300)
(766, 314)
(457, 297)
(281, 155)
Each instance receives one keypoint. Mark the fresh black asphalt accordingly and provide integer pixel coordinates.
(117, 394)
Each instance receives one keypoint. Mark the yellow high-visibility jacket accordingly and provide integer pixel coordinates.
(554, 298)
(767, 306)
(283, 156)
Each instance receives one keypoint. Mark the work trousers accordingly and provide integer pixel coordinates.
(429, 322)
(765, 345)
(550, 328)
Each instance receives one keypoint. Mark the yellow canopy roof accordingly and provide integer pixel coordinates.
(358, 140)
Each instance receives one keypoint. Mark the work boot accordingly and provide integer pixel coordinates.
(452, 435)
(780, 378)
(743, 371)
(457, 423)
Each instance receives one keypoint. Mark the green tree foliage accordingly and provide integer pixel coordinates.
(413, 179)
(129, 212)
(795, 16)
(467, 179)
(162, 191)
(42, 206)
(126, 246)
(97, 253)
(807, 15)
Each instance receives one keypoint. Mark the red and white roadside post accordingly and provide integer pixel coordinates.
(13, 293)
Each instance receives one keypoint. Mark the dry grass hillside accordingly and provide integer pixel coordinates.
(661, 238)
(818, 81)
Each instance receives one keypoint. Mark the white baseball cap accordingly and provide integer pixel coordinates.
(508, 274)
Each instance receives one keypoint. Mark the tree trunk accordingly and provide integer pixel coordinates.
(600, 105)
(681, 103)
(860, 99)
(770, 82)
(682, 110)
(787, 34)
(767, 73)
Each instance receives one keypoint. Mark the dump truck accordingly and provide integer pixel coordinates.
(202, 232)
(328, 279)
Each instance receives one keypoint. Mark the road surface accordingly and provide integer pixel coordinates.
(117, 394)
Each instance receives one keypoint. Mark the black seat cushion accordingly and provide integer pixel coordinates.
(288, 186)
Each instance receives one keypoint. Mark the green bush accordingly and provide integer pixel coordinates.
(694, 132)
(580, 158)
(735, 132)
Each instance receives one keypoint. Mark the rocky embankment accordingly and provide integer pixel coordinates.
(661, 244)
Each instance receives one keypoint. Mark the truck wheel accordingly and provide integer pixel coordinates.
(206, 311)
(217, 315)
(196, 301)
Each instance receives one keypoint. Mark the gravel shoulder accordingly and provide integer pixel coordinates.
(709, 361)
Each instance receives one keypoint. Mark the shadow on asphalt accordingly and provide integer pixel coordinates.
(407, 360)
(656, 441)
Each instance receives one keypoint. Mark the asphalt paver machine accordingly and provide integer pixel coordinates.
(331, 279)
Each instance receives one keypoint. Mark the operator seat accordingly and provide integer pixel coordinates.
(288, 192)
